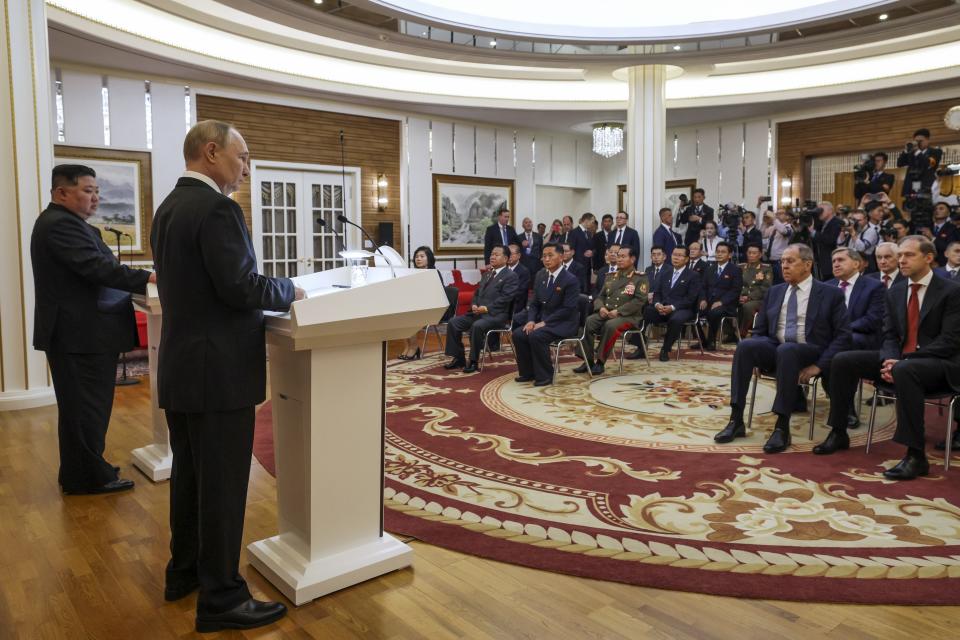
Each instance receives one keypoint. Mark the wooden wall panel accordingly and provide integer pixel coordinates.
(288, 134)
(861, 132)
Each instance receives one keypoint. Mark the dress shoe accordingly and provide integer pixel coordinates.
(248, 615)
(582, 368)
(908, 468)
(120, 484)
(664, 355)
(470, 368)
(171, 594)
(543, 383)
(954, 444)
(836, 441)
(853, 421)
(639, 354)
(523, 379)
(779, 441)
(456, 363)
(734, 429)
(597, 369)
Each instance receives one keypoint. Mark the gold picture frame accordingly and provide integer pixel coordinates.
(463, 208)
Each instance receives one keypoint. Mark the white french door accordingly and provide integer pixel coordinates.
(288, 203)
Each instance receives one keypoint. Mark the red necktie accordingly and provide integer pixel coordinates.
(886, 281)
(913, 319)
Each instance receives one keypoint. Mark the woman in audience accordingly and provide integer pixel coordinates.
(423, 258)
(556, 232)
(709, 238)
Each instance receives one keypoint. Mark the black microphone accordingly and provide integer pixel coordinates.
(345, 220)
(116, 231)
(323, 223)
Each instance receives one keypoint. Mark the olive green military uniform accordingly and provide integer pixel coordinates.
(756, 281)
(629, 308)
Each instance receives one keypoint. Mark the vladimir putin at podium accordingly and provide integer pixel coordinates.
(212, 373)
(83, 320)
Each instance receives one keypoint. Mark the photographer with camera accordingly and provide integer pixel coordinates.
(866, 234)
(694, 216)
(921, 161)
(780, 236)
(825, 240)
(870, 177)
(943, 231)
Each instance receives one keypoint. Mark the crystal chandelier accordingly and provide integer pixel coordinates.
(607, 139)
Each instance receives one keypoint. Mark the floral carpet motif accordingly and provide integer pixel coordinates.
(618, 478)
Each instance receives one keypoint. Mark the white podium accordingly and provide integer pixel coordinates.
(154, 460)
(327, 379)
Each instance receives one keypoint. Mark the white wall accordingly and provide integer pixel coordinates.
(556, 202)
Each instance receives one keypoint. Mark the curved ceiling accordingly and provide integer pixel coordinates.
(632, 20)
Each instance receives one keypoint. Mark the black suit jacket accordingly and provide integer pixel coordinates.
(942, 238)
(557, 307)
(693, 228)
(669, 240)
(580, 243)
(879, 183)
(666, 269)
(599, 246)
(826, 324)
(878, 275)
(523, 287)
(581, 273)
(496, 293)
(938, 335)
(72, 267)
(726, 288)
(493, 238)
(824, 243)
(865, 311)
(212, 353)
(925, 164)
(630, 238)
(684, 295)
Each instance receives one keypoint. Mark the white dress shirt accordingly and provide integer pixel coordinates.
(202, 178)
(803, 297)
(849, 288)
(892, 275)
(924, 282)
(618, 234)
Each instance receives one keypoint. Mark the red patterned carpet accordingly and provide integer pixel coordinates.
(619, 479)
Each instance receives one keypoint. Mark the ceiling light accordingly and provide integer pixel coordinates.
(676, 47)
(884, 16)
(607, 139)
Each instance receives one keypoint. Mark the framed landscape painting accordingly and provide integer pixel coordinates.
(463, 208)
(125, 195)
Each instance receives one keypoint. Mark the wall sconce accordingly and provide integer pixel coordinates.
(381, 192)
(786, 188)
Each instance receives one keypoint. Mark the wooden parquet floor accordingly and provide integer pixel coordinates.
(92, 567)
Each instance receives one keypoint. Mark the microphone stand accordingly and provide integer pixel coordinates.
(345, 220)
(124, 380)
(343, 185)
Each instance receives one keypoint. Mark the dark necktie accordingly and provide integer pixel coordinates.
(790, 327)
(953, 274)
(550, 282)
(886, 281)
(913, 319)
(619, 237)
(843, 287)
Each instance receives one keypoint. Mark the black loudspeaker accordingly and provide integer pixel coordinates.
(385, 234)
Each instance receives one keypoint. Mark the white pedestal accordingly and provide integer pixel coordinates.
(154, 460)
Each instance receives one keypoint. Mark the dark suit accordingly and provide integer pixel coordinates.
(523, 287)
(823, 244)
(751, 237)
(942, 237)
(211, 375)
(530, 256)
(723, 288)
(668, 239)
(699, 265)
(494, 238)
(694, 228)
(628, 238)
(826, 333)
(581, 243)
(82, 321)
(581, 273)
(555, 306)
(878, 275)
(599, 242)
(880, 182)
(865, 311)
(924, 164)
(497, 293)
(934, 366)
(684, 296)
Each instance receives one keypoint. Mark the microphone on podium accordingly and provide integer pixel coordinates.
(345, 220)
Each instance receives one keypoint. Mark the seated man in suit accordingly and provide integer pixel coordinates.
(552, 314)
(499, 234)
(609, 268)
(951, 259)
(624, 235)
(675, 300)
(698, 262)
(888, 266)
(619, 307)
(757, 279)
(489, 309)
(721, 292)
(863, 297)
(920, 355)
(655, 272)
(802, 327)
(665, 236)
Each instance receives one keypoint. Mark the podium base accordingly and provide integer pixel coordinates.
(302, 581)
(154, 460)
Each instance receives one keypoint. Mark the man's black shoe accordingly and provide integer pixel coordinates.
(664, 355)
(908, 468)
(471, 368)
(523, 379)
(954, 444)
(734, 429)
(543, 383)
(171, 594)
(248, 615)
(778, 442)
(120, 484)
(597, 369)
(456, 363)
(636, 355)
(853, 420)
(582, 368)
(836, 441)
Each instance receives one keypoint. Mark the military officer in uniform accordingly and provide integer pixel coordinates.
(757, 278)
(618, 307)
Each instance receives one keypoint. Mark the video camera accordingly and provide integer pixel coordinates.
(863, 171)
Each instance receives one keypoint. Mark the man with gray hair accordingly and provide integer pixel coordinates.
(212, 373)
(802, 326)
(888, 269)
(863, 297)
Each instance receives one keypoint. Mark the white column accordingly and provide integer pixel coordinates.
(646, 151)
(26, 155)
